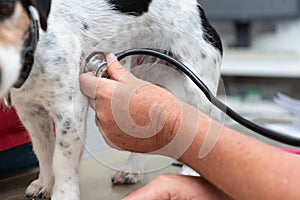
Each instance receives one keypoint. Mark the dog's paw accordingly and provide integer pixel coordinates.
(37, 190)
(121, 177)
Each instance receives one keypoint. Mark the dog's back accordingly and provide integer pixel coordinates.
(180, 27)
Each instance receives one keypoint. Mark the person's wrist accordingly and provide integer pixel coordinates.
(192, 153)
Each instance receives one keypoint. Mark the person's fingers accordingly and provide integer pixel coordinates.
(114, 68)
(88, 84)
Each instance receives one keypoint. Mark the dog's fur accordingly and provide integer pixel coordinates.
(52, 94)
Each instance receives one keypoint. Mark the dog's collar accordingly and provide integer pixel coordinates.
(28, 50)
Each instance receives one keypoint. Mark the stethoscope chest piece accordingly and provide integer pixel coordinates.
(96, 62)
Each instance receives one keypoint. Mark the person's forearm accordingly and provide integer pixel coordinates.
(245, 168)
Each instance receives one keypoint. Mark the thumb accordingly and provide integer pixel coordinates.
(114, 68)
(88, 84)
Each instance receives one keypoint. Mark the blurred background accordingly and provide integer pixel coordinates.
(261, 51)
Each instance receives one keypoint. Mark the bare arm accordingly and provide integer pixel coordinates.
(240, 166)
(245, 168)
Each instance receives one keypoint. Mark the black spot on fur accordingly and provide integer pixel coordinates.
(40, 108)
(59, 60)
(85, 26)
(215, 61)
(210, 34)
(67, 124)
(132, 7)
(63, 144)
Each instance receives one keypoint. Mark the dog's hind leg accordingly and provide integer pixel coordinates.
(132, 172)
(40, 126)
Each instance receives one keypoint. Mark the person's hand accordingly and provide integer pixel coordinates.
(132, 114)
(177, 187)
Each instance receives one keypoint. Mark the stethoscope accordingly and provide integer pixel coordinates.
(96, 62)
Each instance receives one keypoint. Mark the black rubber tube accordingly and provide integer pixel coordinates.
(287, 139)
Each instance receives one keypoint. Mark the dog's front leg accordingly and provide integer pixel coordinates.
(70, 122)
(40, 127)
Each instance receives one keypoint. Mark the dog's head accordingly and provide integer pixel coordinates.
(14, 30)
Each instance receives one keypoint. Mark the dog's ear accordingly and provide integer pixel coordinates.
(43, 7)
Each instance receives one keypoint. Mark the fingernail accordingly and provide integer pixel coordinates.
(110, 58)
